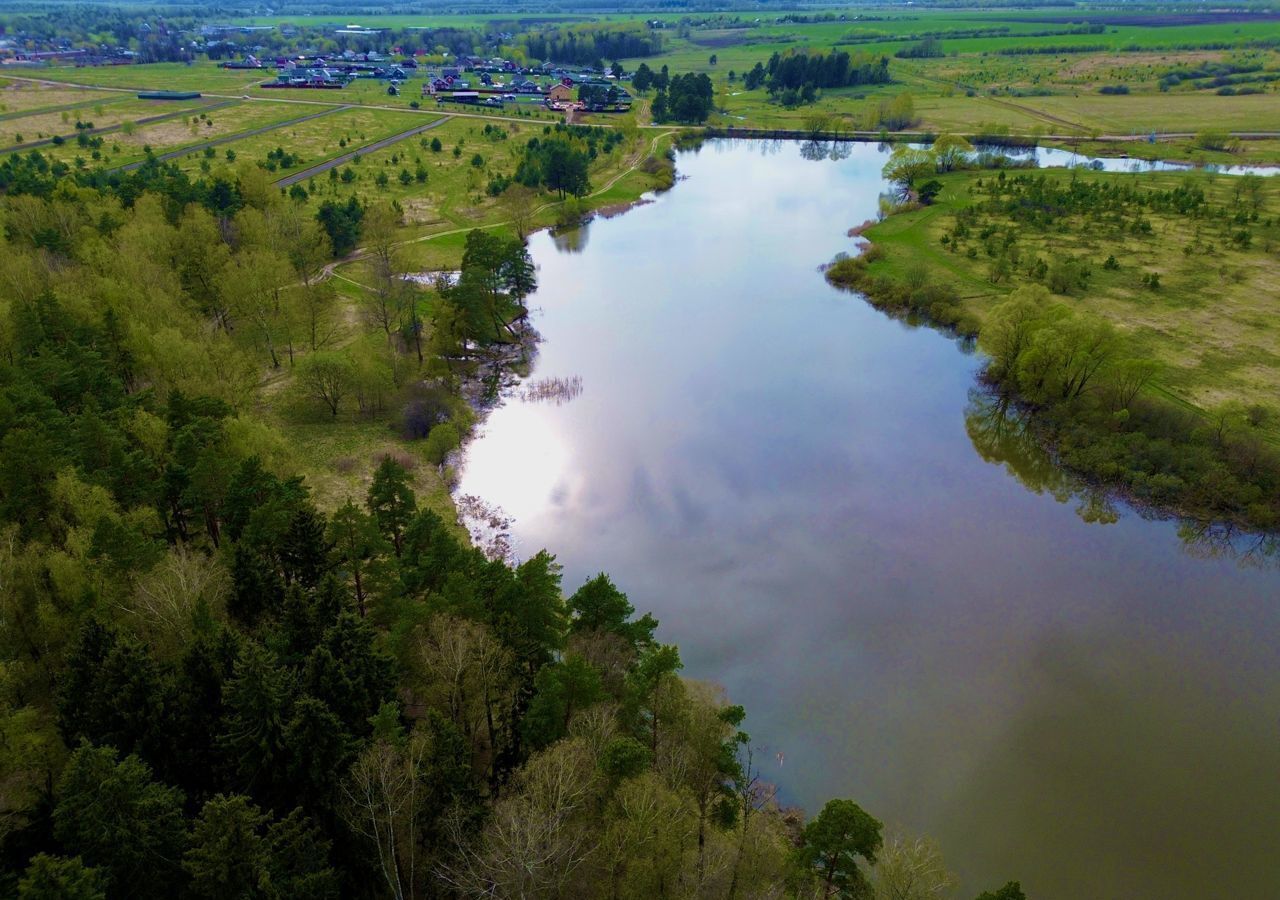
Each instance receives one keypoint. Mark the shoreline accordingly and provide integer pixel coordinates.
(1049, 436)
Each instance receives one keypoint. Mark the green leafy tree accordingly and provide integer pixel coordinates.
(113, 693)
(442, 440)
(656, 667)
(599, 606)
(642, 80)
(391, 501)
(349, 672)
(833, 843)
(228, 858)
(559, 692)
(359, 550)
(238, 853)
(258, 698)
(564, 168)
(116, 818)
(300, 859)
(54, 878)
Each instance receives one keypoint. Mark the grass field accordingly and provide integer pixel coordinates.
(454, 188)
(40, 125)
(315, 140)
(1211, 321)
(975, 85)
(19, 97)
(977, 82)
(200, 76)
(453, 199)
(173, 134)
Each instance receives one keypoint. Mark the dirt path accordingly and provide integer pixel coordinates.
(361, 151)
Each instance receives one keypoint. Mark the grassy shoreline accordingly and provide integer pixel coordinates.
(1127, 315)
(338, 455)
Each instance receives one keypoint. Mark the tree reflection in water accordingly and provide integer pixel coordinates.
(999, 431)
(817, 151)
(572, 239)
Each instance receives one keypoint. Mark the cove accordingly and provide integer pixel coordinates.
(788, 479)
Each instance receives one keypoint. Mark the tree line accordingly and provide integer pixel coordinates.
(794, 69)
(590, 45)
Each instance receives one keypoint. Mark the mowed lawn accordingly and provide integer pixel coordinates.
(1214, 320)
(30, 96)
(40, 125)
(173, 134)
(318, 139)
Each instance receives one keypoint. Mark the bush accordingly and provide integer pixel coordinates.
(442, 440)
(1215, 140)
(427, 407)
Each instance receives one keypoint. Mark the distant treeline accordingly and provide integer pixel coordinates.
(929, 48)
(1257, 44)
(870, 37)
(794, 71)
(588, 46)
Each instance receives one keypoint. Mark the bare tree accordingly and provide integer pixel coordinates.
(911, 869)
(539, 834)
(252, 287)
(1128, 378)
(647, 841)
(382, 794)
(468, 674)
(327, 377)
(166, 598)
(386, 299)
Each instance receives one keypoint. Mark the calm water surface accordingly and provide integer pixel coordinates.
(784, 476)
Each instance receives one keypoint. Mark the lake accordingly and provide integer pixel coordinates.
(785, 477)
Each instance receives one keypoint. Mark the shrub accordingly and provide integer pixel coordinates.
(427, 407)
(442, 440)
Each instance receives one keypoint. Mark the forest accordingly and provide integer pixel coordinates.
(215, 687)
(586, 45)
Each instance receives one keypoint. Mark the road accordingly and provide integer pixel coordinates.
(325, 166)
(741, 132)
(228, 138)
